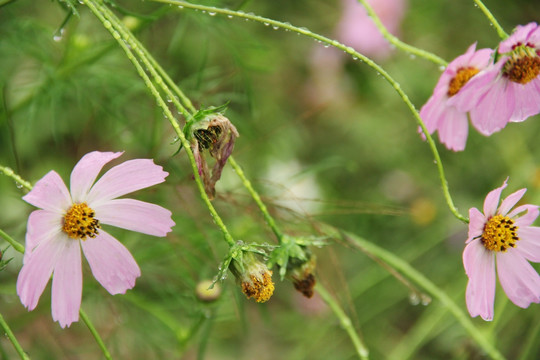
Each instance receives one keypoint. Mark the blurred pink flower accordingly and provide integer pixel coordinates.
(508, 90)
(67, 222)
(504, 238)
(438, 114)
(356, 28)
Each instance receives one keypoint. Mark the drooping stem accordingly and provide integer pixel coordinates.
(9, 334)
(345, 321)
(356, 55)
(94, 333)
(17, 246)
(502, 34)
(18, 180)
(398, 43)
(247, 184)
(423, 282)
(124, 38)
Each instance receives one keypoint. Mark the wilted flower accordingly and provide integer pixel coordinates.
(70, 221)
(438, 114)
(216, 134)
(508, 90)
(504, 238)
(253, 276)
(301, 274)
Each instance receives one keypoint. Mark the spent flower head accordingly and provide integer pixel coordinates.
(509, 89)
(438, 114)
(70, 221)
(211, 132)
(503, 238)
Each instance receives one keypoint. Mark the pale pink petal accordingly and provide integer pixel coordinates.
(520, 35)
(477, 221)
(454, 129)
(111, 263)
(481, 59)
(474, 90)
(480, 268)
(67, 285)
(527, 100)
(86, 171)
(510, 201)
(50, 193)
(529, 244)
(135, 215)
(492, 200)
(534, 37)
(125, 178)
(526, 219)
(432, 112)
(518, 278)
(494, 109)
(42, 225)
(37, 270)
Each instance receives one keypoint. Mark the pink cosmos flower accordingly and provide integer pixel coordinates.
(356, 28)
(508, 90)
(438, 114)
(70, 221)
(502, 238)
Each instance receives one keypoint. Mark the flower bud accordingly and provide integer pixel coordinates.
(206, 292)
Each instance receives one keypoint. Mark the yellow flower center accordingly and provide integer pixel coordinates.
(499, 234)
(79, 222)
(462, 77)
(259, 287)
(523, 66)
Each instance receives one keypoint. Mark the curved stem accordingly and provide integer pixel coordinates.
(9, 334)
(122, 36)
(398, 43)
(356, 55)
(502, 34)
(345, 321)
(94, 333)
(247, 184)
(18, 180)
(18, 247)
(415, 276)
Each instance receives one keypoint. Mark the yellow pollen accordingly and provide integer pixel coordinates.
(462, 77)
(522, 69)
(259, 287)
(499, 234)
(79, 222)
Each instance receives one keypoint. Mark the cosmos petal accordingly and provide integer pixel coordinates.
(86, 171)
(42, 225)
(477, 221)
(529, 244)
(67, 285)
(510, 201)
(492, 200)
(520, 281)
(50, 193)
(111, 263)
(480, 268)
(136, 215)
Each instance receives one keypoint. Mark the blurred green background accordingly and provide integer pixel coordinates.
(342, 150)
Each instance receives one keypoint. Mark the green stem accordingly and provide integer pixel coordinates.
(346, 323)
(18, 180)
(415, 276)
(94, 332)
(356, 55)
(9, 334)
(398, 43)
(122, 36)
(502, 34)
(247, 184)
(12, 242)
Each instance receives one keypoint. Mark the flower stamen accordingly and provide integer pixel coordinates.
(499, 234)
(259, 286)
(463, 75)
(79, 222)
(523, 66)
